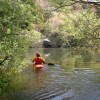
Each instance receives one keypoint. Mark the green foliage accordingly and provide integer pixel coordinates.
(80, 25)
(17, 30)
(84, 26)
(4, 82)
(87, 28)
(60, 3)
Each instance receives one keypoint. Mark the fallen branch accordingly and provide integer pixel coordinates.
(4, 60)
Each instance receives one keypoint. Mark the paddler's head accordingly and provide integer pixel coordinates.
(37, 54)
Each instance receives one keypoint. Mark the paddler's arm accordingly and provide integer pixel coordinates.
(43, 61)
(33, 61)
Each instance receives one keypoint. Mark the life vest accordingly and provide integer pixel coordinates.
(38, 60)
(38, 63)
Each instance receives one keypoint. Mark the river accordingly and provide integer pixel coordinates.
(75, 75)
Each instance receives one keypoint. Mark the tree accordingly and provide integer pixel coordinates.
(17, 27)
(81, 23)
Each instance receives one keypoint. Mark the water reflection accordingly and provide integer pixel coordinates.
(76, 78)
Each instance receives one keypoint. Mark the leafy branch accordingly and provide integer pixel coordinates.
(75, 2)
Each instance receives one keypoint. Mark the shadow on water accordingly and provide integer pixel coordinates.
(74, 76)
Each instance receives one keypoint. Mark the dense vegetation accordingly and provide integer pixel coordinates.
(25, 23)
(17, 28)
(81, 22)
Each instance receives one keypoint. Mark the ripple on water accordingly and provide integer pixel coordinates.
(75, 84)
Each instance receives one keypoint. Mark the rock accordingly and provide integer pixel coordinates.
(47, 43)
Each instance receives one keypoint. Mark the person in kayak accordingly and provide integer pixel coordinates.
(38, 63)
(38, 60)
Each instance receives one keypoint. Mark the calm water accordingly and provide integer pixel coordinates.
(74, 76)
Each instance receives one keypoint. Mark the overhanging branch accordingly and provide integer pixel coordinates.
(88, 2)
(61, 6)
(78, 1)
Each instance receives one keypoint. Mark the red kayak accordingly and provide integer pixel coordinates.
(38, 66)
